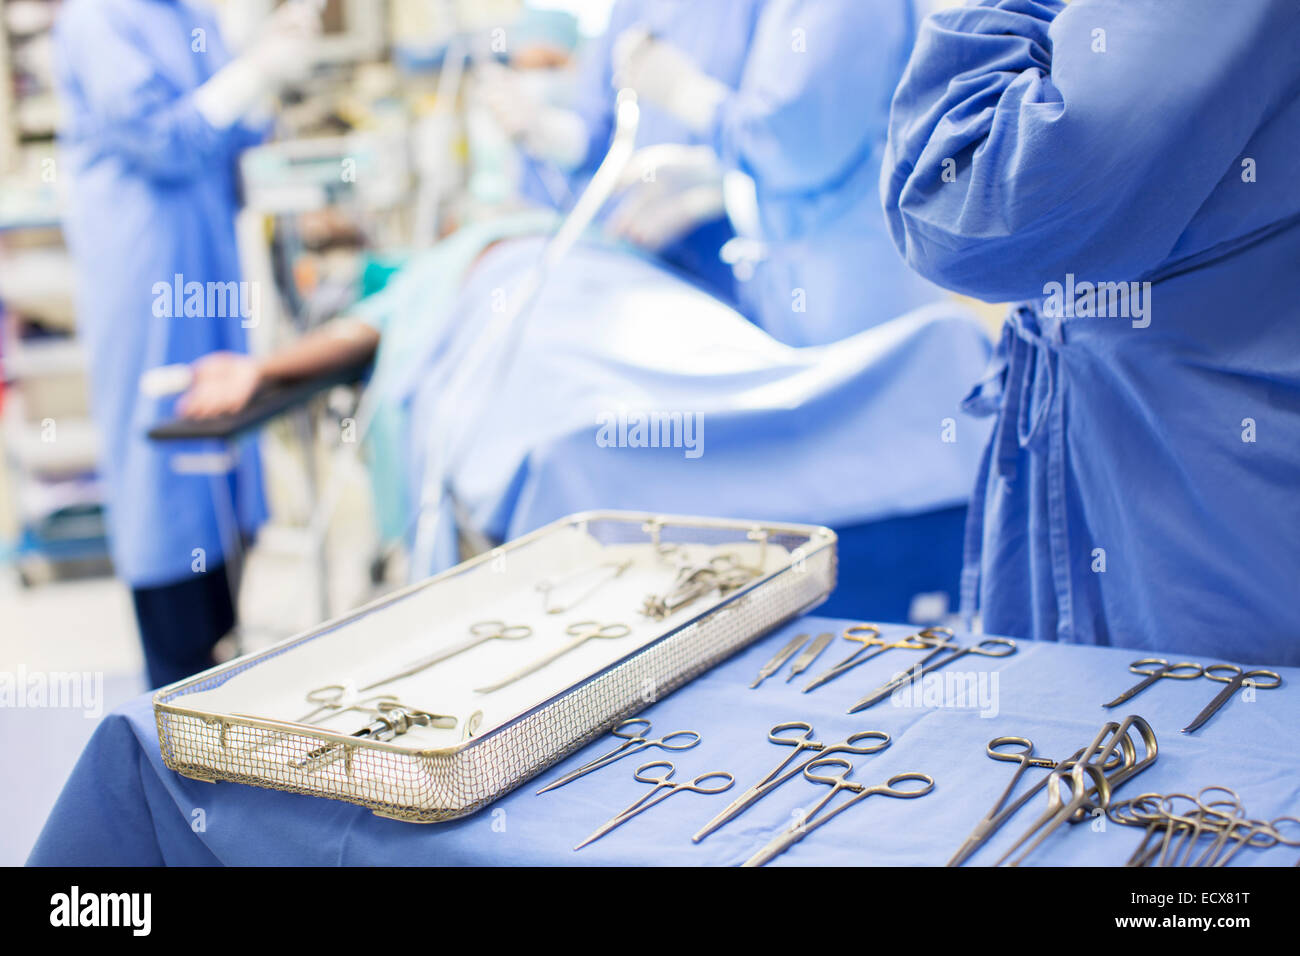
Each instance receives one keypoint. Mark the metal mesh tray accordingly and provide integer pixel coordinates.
(406, 782)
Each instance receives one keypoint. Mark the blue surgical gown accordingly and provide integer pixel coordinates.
(151, 203)
(716, 37)
(1140, 488)
(806, 122)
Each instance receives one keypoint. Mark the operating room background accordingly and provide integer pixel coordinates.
(61, 609)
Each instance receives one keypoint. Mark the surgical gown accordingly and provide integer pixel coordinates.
(806, 121)
(150, 210)
(1140, 488)
(716, 37)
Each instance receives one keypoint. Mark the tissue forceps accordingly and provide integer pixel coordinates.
(1235, 678)
(663, 788)
(582, 632)
(633, 733)
(1184, 670)
(985, 648)
(868, 635)
(836, 781)
(779, 774)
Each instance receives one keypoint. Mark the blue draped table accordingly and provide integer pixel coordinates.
(122, 806)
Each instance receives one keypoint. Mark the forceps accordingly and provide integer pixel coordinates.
(582, 632)
(633, 733)
(985, 648)
(837, 782)
(479, 633)
(548, 587)
(1184, 670)
(1267, 829)
(868, 635)
(1025, 757)
(997, 816)
(390, 722)
(1093, 764)
(1234, 677)
(333, 695)
(1155, 812)
(663, 788)
(800, 742)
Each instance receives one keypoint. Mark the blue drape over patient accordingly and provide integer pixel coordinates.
(863, 429)
(1140, 488)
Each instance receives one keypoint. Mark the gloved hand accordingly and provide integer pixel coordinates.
(665, 76)
(668, 189)
(545, 132)
(281, 54)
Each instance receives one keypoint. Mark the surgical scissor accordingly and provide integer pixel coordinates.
(1235, 678)
(780, 774)
(837, 782)
(985, 648)
(546, 588)
(582, 632)
(333, 695)
(632, 732)
(479, 633)
(663, 788)
(868, 635)
(1184, 670)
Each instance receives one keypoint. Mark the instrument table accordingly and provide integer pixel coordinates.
(122, 806)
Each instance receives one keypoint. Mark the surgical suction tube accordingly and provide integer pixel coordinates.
(494, 347)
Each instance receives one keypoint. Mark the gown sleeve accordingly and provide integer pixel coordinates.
(1080, 138)
(138, 113)
(815, 91)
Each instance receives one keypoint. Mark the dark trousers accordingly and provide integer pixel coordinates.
(180, 623)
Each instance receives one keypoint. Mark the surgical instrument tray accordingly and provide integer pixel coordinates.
(238, 721)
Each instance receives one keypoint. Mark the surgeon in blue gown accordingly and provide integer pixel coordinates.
(1140, 488)
(796, 96)
(154, 112)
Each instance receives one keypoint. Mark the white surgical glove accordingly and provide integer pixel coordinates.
(543, 131)
(665, 76)
(283, 50)
(280, 54)
(668, 190)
